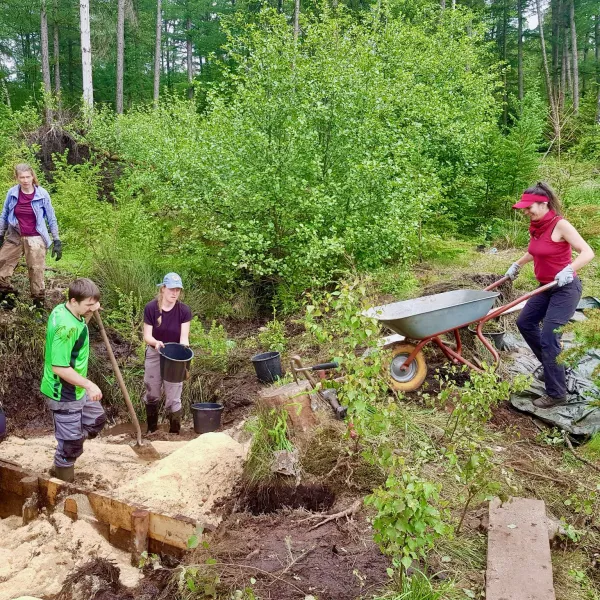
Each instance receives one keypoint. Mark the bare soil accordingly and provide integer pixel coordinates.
(506, 418)
(338, 561)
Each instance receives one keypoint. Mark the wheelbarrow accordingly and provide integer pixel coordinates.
(426, 319)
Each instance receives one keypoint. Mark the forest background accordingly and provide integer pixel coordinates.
(265, 149)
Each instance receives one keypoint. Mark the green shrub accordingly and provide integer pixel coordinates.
(212, 346)
(272, 338)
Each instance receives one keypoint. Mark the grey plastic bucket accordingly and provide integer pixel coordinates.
(207, 416)
(175, 362)
(267, 366)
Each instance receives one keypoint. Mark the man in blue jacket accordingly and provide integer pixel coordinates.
(26, 211)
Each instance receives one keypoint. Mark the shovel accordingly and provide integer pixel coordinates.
(145, 451)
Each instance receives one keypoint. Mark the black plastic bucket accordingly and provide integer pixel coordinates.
(175, 362)
(207, 416)
(496, 336)
(267, 366)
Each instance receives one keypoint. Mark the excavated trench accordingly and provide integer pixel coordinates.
(269, 498)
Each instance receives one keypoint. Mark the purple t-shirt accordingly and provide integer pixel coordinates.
(170, 325)
(25, 215)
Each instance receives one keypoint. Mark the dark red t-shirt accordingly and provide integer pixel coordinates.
(25, 215)
(170, 326)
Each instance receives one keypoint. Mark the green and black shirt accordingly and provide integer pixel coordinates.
(67, 345)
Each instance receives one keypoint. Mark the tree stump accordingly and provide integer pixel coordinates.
(295, 399)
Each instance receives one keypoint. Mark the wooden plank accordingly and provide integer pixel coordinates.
(175, 531)
(169, 532)
(519, 564)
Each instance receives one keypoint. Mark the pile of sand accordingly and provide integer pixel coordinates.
(191, 480)
(103, 465)
(36, 558)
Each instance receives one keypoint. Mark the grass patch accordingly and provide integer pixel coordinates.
(416, 587)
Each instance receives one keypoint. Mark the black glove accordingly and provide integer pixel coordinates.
(56, 249)
(1, 241)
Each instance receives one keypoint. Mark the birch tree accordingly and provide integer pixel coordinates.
(86, 53)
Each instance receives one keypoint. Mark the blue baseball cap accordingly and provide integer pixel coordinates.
(171, 281)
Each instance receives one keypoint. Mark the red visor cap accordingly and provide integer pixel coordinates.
(529, 199)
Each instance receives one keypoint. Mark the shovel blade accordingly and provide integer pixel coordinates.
(145, 451)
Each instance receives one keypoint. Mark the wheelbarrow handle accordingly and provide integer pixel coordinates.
(502, 309)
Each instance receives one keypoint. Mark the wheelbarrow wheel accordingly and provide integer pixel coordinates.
(406, 379)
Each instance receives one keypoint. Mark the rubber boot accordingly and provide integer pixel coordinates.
(152, 417)
(66, 474)
(175, 421)
(38, 302)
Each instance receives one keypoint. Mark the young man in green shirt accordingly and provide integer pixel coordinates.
(73, 399)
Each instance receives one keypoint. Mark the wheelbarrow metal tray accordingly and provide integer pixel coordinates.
(424, 317)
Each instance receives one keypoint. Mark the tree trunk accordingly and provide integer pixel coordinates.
(296, 19)
(520, 49)
(6, 94)
(56, 52)
(280, 6)
(555, 41)
(562, 91)
(86, 53)
(157, 49)
(120, 54)
(70, 66)
(567, 64)
(597, 55)
(46, 63)
(190, 64)
(504, 58)
(168, 53)
(443, 4)
(549, 90)
(586, 50)
(575, 57)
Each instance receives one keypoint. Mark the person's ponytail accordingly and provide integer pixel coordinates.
(541, 188)
(159, 300)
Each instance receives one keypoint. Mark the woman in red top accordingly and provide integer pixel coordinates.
(552, 241)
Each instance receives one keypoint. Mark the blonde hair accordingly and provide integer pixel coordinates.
(24, 168)
(159, 300)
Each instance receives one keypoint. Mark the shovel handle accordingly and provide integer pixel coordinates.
(115, 366)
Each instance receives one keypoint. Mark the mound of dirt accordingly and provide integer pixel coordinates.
(192, 480)
(35, 559)
(103, 465)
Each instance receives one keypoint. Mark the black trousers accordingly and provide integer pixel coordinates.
(539, 323)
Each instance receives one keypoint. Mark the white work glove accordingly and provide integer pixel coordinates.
(565, 276)
(513, 271)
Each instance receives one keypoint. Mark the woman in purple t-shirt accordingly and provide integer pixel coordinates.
(28, 220)
(166, 319)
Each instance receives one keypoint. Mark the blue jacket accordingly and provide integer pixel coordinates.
(42, 207)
